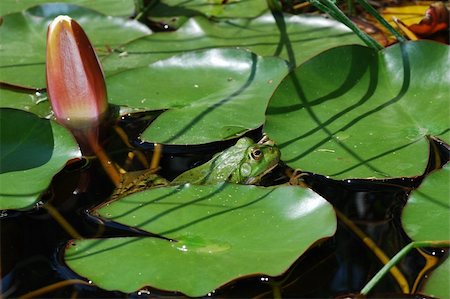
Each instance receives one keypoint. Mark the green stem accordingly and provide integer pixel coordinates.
(329, 7)
(143, 10)
(351, 7)
(274, 5)
(401, 254)
(276, 289)
(380, 19)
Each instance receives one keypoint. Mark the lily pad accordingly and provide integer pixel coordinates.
(33, 151)
(426, 216)
(213, 95)
(32, 101)
(222, 232)
(352, 112)
(437, 285)
(23, 59)
(295, 38)
(107, 7)
(215, 8)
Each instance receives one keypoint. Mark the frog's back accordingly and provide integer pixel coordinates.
(219, 168)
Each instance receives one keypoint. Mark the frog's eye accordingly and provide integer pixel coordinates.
(256, 154)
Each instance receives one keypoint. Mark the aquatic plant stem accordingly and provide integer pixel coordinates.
(142, 9)
(402, 253)
(123, 136)
(52, 287)
(61, 221)
(106, 163)
(380, 19)
(430, 262)
(329, 7)
(395, 272)
(156, 158)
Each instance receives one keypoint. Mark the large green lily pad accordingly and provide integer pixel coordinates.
(211, 95)
(23, 59)
(295, 38)
(223, 232)
(214, 8)
(352, 112)
(33, 151)
(426, 216)
(107, 7)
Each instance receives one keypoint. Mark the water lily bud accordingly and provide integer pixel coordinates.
(75, 81)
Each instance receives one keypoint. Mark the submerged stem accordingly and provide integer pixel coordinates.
(401, 254)
(105, 161)
(63, 222)
(395, 272)
(52, 287)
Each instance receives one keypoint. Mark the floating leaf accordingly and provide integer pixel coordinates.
(23, 59)
(295, 38)
(35, 102)
(107, 7)
(351, 112)
(224, 232)
(33, 151)
(212, 95)
(437, 285)
(426, 216)
(215, 8)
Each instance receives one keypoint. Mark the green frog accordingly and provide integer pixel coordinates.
(244, 163)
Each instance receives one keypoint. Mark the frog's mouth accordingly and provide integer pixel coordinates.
(256, 179)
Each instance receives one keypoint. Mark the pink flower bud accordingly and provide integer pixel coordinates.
(75, 81)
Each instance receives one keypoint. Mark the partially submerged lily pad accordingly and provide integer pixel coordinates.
(33, 151)
(213, 95)
(426, 216)
(222, 232)
(352, 112)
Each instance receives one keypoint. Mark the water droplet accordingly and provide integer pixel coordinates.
(325, 150)
(341, 136)
(196, 85)
(270, 81)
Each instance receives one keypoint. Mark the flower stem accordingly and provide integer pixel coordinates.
(105, 161)
(401, 254)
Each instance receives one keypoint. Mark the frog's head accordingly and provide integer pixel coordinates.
(259, 159)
